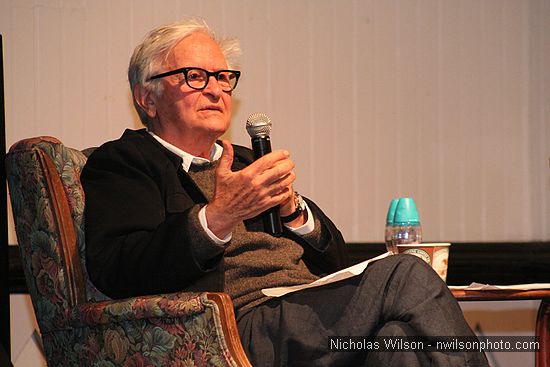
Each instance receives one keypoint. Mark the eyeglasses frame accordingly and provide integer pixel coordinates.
(184, 71)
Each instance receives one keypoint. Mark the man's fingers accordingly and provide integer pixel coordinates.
(269, 160)
(270, 168)
(276, 174)
(226, 160)
(283, 184)
(262, 185)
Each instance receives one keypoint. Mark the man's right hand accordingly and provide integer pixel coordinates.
(246, 193)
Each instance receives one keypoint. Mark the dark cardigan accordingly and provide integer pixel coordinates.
(142, 232)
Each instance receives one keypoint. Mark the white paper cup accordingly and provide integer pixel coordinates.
(435, 254)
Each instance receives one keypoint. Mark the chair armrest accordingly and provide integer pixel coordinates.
(229, 326)
(173, 305)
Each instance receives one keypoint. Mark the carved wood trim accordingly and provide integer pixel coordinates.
(229, 326)
(67, 235)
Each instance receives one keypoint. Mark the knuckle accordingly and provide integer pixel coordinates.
(246, 175)
(292, 175)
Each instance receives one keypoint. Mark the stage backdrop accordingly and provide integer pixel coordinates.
(445, 101)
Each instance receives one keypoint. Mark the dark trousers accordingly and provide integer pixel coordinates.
(397, 296)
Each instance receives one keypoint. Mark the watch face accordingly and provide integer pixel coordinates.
(300, 206)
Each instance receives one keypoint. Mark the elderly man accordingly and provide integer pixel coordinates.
(168, 209)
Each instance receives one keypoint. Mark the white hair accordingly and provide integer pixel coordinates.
(149, 56)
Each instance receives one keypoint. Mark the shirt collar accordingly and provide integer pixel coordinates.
(188, 159)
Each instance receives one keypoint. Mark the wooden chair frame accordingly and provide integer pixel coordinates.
(542, 356)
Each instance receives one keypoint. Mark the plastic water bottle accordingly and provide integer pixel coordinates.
(388, 234)
(406, 222)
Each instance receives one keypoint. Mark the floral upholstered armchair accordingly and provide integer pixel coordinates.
(79, 325)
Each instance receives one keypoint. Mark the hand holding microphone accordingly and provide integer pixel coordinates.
(244, 194)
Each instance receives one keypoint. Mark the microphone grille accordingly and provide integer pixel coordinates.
(258, 125)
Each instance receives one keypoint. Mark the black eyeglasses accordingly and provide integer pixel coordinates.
(198, 78)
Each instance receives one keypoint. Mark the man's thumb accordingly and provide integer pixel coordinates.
(226, 160)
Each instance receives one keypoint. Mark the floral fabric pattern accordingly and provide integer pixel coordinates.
(176, 330)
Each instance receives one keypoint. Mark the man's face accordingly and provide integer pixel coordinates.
(202, 114)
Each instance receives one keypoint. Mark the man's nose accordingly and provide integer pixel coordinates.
(213, 88)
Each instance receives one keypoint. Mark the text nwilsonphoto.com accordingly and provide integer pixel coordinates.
(443, 344)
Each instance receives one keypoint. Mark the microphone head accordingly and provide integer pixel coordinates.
(258, 125)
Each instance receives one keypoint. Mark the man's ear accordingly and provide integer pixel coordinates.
(145, 100)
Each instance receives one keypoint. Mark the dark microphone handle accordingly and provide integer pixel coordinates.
(272, 220)
(261, 146)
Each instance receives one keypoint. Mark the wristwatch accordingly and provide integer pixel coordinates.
(300, 207)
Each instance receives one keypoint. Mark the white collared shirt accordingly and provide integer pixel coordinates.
(215, 154)
(189, 159)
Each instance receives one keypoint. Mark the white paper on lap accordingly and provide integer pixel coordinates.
(331, 278)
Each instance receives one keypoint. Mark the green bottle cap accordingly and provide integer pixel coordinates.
(406, 213)
(391, 212)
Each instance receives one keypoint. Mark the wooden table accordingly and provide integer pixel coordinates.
(542, 356)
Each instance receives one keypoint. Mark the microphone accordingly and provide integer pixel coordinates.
(258, 126)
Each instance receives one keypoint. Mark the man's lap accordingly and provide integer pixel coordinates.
(295, 329)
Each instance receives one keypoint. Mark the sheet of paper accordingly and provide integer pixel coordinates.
(489, 287)
(331, 278)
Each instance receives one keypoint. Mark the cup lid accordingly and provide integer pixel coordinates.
(391, 212)
(406, 213)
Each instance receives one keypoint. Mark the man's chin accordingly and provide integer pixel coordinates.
(218, 128)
